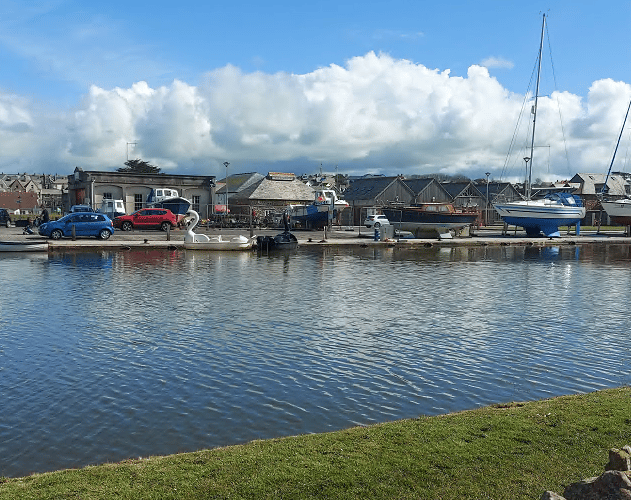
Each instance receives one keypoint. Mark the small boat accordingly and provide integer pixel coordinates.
(324, 208)
(282, 241)
(239, 242)
(170, 199)
(543, 215)
(24, 246)
(434, 217)
(193, 241)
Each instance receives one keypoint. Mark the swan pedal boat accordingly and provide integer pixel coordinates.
(194, 241)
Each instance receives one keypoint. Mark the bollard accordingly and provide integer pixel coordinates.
(74, 232)
(376, 236)
(169, 232)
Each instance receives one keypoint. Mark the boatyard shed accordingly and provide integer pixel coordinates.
(427, 189)
(371, 192)
(90, 187)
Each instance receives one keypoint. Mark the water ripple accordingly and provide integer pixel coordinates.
(144, 353)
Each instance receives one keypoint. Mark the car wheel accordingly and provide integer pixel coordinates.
(56, 234)
(127, 226)
(104, 234)
(377, 225)
(165, 225)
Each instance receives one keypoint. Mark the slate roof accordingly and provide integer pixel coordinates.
(367, 188)
(617, 184)
(455, 189)
(418, 185)
(239, 182)
(267, 189)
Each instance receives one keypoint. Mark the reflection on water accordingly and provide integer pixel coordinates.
(110, 355)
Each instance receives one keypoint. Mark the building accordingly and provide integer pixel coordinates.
(19, 202)
(366, 193)
(92, 187)
(49, 189)
(269, 194)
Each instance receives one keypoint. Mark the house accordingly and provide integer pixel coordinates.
(368, 192)
(269, 194)
(91, 187)
(19, 202)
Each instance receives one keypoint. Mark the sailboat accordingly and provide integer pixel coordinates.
(543, 215)
(619, 210)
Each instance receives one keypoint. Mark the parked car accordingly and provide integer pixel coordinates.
(85, 224)
(376, 221)
(5, 218)
(147, 218)
(80, 208)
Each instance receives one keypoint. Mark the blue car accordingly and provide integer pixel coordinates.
(85, 224)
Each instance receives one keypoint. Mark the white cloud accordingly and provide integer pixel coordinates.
(497, 62)
(375, 114)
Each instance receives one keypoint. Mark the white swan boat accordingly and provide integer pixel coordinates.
(193, 241)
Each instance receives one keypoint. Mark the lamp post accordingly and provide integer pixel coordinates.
(225, 164)
(486, 218)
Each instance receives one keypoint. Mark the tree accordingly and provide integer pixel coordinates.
(139, 166)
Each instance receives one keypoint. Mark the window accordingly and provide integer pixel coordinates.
(196, 203)
(107, 196)
(137, 202)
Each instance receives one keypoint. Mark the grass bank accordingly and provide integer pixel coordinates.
(510, 451)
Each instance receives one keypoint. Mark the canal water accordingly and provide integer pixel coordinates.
(115, 355)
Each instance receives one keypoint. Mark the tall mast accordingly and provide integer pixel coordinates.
(534, 110)
(605, 189)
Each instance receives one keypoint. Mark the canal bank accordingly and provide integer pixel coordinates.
(505, 451)
(337, 236)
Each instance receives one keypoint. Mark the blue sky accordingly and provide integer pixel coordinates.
(289, 85)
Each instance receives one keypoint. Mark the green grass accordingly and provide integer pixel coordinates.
(510, 451)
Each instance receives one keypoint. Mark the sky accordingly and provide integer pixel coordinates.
(399, 87)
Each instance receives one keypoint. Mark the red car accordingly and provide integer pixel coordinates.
(147, 218)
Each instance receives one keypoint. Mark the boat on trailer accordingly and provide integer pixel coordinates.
(169, 199)
(324, 208)
(434, 217)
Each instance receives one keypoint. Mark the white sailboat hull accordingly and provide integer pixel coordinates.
(619, 211)
(537, 216)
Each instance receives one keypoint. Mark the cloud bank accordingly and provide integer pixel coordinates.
(376, 114)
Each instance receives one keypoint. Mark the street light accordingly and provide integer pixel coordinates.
(486, 218)
(225, 164)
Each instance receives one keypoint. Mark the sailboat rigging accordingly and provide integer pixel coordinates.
(619, 210)
(547, 214)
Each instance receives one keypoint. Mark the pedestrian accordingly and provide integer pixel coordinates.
(45, 216)
(27, 228)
